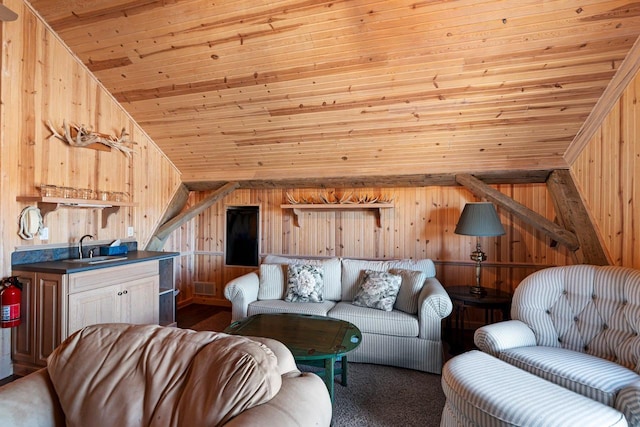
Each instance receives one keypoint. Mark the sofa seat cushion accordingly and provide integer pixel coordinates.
(281, 306)
(134, 375)
(374, 321)
(481, 390)
(591, 376)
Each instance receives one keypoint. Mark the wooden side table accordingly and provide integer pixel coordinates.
(462, 298)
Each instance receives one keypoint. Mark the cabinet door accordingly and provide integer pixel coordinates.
(139, 302)
(101, 305)
(23, 337)
(49, 314)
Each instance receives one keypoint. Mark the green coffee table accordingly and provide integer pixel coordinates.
(309, 338)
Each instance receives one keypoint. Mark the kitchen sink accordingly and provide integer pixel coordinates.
(96, 259)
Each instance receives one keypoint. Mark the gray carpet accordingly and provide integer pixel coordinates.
(386, 396)
(376, 396)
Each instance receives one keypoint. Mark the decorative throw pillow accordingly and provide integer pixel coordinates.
(412, 282)
(378, 289)
(304, 283)
(331, 269)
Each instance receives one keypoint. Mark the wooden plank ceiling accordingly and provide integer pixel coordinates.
(241, 90)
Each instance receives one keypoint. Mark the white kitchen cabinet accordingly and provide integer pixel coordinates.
(135, 307)
(124, 294)
(99, 305)
(125, 303)
(56, 305)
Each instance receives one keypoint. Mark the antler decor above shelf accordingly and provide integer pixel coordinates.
(334, 202)
(79, 136)
(333, 198)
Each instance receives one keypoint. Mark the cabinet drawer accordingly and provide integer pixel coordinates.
(93, 279)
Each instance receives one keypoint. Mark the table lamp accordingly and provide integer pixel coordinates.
(479, 219)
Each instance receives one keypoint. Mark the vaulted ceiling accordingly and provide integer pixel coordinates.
(319, 89)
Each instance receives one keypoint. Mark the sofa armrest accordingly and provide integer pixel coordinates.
(286, 362)
(241, 291)
(628, 402)
(434, 305)
(31, 401)
(303, 400)
(501, 336)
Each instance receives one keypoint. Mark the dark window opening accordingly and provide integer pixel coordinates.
(242, 236)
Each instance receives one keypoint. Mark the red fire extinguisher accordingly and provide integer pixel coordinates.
(10, 297)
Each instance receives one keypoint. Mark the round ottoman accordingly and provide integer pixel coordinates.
(482, 390)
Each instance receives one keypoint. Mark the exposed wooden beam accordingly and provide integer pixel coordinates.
(177, 221)
(627, 71)
(177, 203)
(573, 213)
(553, 230)
(449, 179)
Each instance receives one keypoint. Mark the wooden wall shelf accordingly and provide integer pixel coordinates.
(376, 208)
(50, 204)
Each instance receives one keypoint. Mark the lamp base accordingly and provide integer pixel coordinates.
(477, 290)
(478, 256)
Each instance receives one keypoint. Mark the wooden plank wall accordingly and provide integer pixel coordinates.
(608, 172)
(421, 225)
(41, 81)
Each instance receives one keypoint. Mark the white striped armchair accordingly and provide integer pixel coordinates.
(576, 326)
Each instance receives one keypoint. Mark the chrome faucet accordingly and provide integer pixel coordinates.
(80, 245)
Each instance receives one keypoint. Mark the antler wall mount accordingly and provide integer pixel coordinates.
(80, 136)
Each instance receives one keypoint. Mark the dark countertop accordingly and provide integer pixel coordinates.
(62, 267)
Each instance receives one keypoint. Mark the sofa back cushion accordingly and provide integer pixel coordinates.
(126, 375)
(586, 308)
(410, 287)
(353, 271)
(274, 285)
(272, 281)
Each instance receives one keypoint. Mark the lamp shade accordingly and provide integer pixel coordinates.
(479, 219)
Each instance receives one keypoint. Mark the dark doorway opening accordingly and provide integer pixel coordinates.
(242, 237)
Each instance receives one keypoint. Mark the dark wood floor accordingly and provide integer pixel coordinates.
(194, 313)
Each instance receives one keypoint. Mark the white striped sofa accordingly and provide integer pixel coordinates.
(576, 326)
(409, 336)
